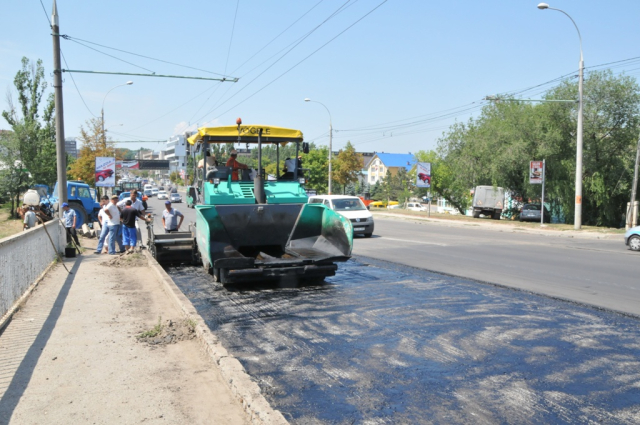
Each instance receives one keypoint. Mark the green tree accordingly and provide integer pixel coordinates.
(14, 178)
(317, 161)
(35, 134)
(347, 166)
(443, 182)
(495, 148)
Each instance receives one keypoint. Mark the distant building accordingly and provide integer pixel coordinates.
(380, 163)
(71, 146)
(176, 154)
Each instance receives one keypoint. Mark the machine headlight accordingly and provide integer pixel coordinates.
(302, 180)
(216, 181)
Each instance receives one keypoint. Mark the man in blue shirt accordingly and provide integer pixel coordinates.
(69, 219)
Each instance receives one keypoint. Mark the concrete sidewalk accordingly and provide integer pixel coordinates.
(70, 355)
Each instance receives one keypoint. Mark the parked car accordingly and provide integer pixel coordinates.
(163, 195)
(393, 205)
(352, 208)
(531, 212)
(632, 238)
(175, 197)
(103, 175)
(416, 206)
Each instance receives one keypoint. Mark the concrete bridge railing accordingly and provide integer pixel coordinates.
(24, 258)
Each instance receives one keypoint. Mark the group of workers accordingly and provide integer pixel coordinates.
(288, 171)
(118, 220)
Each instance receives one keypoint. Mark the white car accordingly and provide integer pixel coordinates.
(352, 208)
(175, 197)
(163, 194)
(155, 191)
(416, 206)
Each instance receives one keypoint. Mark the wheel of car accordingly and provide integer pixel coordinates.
(634, 243)
(100, 178)
(368, 235)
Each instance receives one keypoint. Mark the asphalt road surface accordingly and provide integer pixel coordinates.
(385, 343)
(389, 344)
(599, 272)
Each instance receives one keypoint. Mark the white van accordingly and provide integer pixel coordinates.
(352, 208)
(416, 206)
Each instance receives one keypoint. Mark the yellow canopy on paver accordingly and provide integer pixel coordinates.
(245, 134)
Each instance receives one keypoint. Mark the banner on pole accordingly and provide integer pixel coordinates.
(535, 172)
(423, 178)
(105, 171)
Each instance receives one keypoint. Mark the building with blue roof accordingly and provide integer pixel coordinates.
(383, 162)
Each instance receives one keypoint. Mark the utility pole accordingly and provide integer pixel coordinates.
(57, 84)
(631, 210)
(330, 150)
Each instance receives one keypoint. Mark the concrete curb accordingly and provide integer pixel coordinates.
(240, 383)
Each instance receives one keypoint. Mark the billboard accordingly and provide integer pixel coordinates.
(132, 165)
(105, 171)
(536, 172)
(423, 178)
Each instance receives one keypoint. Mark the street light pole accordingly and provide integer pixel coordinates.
(577, 222)
(104, 135)
(330, 138)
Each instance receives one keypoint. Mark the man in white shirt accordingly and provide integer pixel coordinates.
(102, 218)
(113, 223)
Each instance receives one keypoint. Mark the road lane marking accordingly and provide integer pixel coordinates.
(412, 241)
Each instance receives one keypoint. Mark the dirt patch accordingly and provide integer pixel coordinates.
(168, 332)
(8, 226)
(127, 259)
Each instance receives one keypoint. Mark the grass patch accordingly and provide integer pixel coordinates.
(8, 226)
(153, 332)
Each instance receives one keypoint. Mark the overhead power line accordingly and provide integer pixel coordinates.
(295, 44)
(150, 75)
(75, 39)
(304, 59)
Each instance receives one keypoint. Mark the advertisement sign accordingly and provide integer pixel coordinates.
(105, 171)
(423, 178)
(132, 165)
(535, 172)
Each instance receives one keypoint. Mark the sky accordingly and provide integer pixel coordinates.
(393, 74)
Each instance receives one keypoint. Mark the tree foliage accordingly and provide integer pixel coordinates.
(317, 161)
(33, 124)
(495, 149)
(347, 166)
(93, 145)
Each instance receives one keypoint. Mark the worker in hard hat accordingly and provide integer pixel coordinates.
(235, 165)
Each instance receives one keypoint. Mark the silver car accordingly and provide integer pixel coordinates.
(175, 197)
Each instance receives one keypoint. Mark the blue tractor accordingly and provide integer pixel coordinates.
(81, 198)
